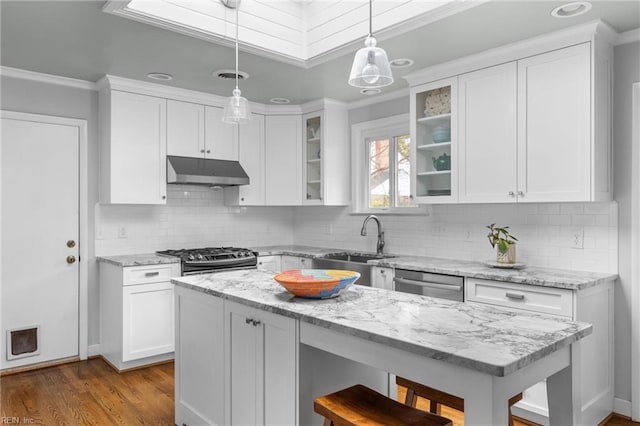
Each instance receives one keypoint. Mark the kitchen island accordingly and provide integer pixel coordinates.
(240, 336)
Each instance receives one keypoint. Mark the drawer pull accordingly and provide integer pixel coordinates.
(514, 296)
(151, 274)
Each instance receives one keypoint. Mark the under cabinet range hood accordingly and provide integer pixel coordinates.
(205, 171)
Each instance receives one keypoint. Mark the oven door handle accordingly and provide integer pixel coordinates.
(426, 284)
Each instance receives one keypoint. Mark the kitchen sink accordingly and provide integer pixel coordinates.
(351, 262)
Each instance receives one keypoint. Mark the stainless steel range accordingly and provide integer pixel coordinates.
(213, 259)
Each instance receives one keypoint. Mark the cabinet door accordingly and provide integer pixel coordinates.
(270, 263)
(137, 170)
(147, 320)
(263, 358)
(220, 139)
(488, 135)
(251, 146)
(554, 126)
(290, 262)
(199, 362)
(185, 129)
(312, 158)
(283, 160)
(382, 277)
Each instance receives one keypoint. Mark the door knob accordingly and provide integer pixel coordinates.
(71, 259)
(71, 244)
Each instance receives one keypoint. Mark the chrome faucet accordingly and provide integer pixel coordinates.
(363, 232)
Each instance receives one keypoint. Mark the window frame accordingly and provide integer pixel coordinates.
(361, 133)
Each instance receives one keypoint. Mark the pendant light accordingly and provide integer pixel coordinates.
(237, 109)
(370, 67)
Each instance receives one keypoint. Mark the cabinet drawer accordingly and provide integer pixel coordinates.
(546, 300)
(149, 274)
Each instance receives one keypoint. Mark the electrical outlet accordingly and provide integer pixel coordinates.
(122, 232)
(438, 230)
(577, 238)
(330, 229)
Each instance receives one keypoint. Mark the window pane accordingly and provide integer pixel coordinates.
(403, 167)
(379, 191)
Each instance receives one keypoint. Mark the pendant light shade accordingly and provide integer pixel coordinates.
(237, 110)
(371, 68)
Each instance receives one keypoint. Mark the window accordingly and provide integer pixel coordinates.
(381, 156)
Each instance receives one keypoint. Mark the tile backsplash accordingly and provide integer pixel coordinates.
(196, 217)
(192, 217)
(546, 232)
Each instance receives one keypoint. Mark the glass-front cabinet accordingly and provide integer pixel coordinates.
(434, 141)
(312, 154)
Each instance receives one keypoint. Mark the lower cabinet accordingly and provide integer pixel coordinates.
(382, 277)
(227, 356)
(137, 306)
(262, 354)
(270, 263)
(295, 262)
(594, 355)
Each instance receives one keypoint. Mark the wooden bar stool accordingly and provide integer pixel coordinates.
(437, 397)
(360, 406)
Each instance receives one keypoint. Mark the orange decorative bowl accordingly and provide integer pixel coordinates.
(316, 283)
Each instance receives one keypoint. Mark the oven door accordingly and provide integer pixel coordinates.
(448, 287)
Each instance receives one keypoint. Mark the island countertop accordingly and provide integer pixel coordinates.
(488, 339)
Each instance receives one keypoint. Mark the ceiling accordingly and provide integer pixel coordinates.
(76, 39)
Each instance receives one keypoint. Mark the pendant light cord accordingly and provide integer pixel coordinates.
(237, 11)
(370, 18)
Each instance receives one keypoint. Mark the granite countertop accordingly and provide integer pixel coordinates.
(484, 338)
(546, 277)
(138, 259)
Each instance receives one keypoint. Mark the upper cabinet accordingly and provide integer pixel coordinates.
(283, 160)
(325, 156)
(434, 141)
(195, 130)
(532, 129)
(132, 148)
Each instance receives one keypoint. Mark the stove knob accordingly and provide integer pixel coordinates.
(199, 256)
(190, 257)
(241, 254)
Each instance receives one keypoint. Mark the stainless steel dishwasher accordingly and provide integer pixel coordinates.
(442, 286)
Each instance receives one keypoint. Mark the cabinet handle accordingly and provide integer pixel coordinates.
(512, 194)
(242, 199)
(202, 150)
(382, 272)
(151, 274)
(208, 151)
(520, 193)
(164, 197)
(515, 296)
(252, 322)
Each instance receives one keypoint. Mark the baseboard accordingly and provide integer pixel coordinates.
(93, 350)
(37, 366)
(621, 406)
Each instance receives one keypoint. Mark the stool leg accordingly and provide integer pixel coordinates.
(411, 399)
(510, 417)
(327, 422)
(434, 407)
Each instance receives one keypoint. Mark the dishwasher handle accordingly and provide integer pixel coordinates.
(427, 284)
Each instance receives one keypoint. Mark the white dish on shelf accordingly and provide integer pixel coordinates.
(495, 264)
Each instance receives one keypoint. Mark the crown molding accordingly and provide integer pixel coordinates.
(627, 37)
(47, 78)
(376, 99)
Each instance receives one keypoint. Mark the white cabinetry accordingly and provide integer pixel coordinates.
(137, 309)
(382, 277)
(434, 142)
(195, 130)
(283, 160)
(262, 355)
(270, 263)
(594, 354)
(488, 135)
(325, 154)
(252, 158)
(132, 148)
(199, 365)
(295, 262)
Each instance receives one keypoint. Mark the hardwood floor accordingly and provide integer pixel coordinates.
(92, 393)
(89, 393)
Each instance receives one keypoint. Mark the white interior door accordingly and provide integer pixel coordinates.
(39, 222)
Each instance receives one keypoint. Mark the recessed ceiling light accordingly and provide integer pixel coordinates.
(230, 74)
(570, 10)
(401, 63)
(160, 76)
(279, 100)
(370, 92)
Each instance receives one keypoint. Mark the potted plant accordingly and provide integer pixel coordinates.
(505, 242)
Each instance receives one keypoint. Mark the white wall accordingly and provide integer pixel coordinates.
(626, 72)
(193, 217)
